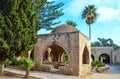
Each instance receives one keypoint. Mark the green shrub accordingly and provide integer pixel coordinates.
(7, 62)
(28, 63)
(66, 58)
(16, 62)
(97, 63)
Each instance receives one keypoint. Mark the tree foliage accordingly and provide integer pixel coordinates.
(19, 22)
(90, 15)
(17, 27)
(105, 42)
(48, 12)
(71, 23)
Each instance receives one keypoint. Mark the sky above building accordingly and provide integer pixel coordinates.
(107, 24)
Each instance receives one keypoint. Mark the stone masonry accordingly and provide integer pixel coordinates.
(48, 51)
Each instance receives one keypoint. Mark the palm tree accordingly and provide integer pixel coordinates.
(90, 15)
(28, 64)
(71, 23)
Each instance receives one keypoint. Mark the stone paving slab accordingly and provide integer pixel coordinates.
(42, 75)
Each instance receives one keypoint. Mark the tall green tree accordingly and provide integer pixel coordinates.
(71, 23)
(90, 15)
(17, 28)
(48, 12)
(19, 22)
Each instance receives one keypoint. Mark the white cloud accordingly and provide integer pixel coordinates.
(108, 14)
(75, 7)
(107, 10)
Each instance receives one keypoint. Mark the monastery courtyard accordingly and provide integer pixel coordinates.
(113, 73)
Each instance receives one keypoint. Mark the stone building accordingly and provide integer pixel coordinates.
(106, 54)
(103, 54)
(116, 56)
(50, 49)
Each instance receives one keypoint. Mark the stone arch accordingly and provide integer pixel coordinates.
(54, 56)
(92, 57)
(105, 58)
(85, 59)
(32, 54)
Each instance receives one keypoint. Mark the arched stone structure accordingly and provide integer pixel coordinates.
(86, 56)
(105, 51)
(68, 39)
(116, 56)
(93, 58)
(104, 58)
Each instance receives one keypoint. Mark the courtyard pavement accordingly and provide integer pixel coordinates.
(42, 75)
(113, 73)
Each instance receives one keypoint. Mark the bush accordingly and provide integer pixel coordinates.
(28, 63)
(66, 58)
(7, 62)
(16, 62)
(97, 63)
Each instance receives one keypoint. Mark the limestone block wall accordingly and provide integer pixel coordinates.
(68, 41)
(97, 51)
(84, 42)
(116, 56)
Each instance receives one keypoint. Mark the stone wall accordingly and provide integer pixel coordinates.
(117, 56)
(97, 51)
(74, 44)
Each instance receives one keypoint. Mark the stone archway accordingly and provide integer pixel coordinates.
(85, 56)
(104, 58)
(55, 55)
(93, 58)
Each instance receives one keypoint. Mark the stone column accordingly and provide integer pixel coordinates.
(49, 51)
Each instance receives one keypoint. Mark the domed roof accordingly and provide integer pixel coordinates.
(64, 28)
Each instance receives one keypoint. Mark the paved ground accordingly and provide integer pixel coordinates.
(113, 73)
(42, 75)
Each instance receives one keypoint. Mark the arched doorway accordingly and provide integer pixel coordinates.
(85, 56)
(92, 57)
(104, 58)
(56, 56)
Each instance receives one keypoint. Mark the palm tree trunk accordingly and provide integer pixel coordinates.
(90, 31)
(27, 73)
(1, 68)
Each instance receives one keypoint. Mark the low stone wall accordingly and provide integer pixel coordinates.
(46, 67)
(102, 69)
(66, 70)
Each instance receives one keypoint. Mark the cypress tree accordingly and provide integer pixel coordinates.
(17, 28)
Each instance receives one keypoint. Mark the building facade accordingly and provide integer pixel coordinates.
(50, 49)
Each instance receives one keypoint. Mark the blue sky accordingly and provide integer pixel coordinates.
(107, 24)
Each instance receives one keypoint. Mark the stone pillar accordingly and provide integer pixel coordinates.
(49, 51)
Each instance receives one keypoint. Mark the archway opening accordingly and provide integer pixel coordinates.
(85, 56)
(92, 57)
(104, 58)
(56, 56)
(32, 54)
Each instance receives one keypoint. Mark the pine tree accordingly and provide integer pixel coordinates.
(48, 12)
